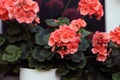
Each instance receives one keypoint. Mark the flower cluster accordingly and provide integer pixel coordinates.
(77, 24)
(115, 35)
(91, 7)
(21, 10)
(101, 40)
(66, 38)
(100, 44)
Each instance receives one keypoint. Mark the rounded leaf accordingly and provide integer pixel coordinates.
(2, 40)
(12, 54)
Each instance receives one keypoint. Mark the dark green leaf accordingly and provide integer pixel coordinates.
(51, 22)
(109, 63)
(77, 57)
(62, 70)
(84, 33)
(36, 29)
(116, 76)
(39, 39)
(26, 50)
(18, 38)
(47, 47)
(82, 64)
(72, 65)
(42, 54)
(45, 38)
(2, 40)
(33, 63)
(73, 75)
(11, 39)
(42, 37)
(13, 30)
(62, 21)
(83, 45)
(13, 53)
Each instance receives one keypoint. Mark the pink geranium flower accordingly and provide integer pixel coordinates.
(65, 40)
(91, 7)
(24, 11)
(115, 35)
(100, 44)
(77, 24)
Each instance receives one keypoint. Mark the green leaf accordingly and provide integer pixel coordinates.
(13, 53)
(84, 33)
(26, 50)
(42, 54)
(83, 45)
(78, 60)
(13, 30)
(41, 38)
(62, 70)
(35, 29)
(18, 38)
(33, 63)
(82, 64)
(51, 22)
(60, 21)
(77, 57)
(11, 39)
(109, 63)
(73, 75)
(45, 38)
(72, 65)
(2, 41)
(116, 76)
(47, 47)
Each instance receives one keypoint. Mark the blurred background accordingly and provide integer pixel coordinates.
(58, 8)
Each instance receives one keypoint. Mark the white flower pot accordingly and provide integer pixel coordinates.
(33, 74)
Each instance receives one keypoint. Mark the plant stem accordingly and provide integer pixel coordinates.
(66, 5)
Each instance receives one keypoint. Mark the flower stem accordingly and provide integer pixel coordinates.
(66, 5)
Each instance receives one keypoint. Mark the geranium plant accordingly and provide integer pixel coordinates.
(62, 43)
(106, 45)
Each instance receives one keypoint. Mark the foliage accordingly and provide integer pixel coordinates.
(27, 45)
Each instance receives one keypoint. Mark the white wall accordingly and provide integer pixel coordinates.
(112, 13)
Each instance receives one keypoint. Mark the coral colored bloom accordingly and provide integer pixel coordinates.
(37, 20)
(115, 35)
(101, 58)
(91, 7)
(64, 40)
(72, 47)
(68, 36)
(51, 41)
(77, 24)
(24, 11)
(99, 42)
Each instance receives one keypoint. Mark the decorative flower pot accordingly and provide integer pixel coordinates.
(33, 74)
